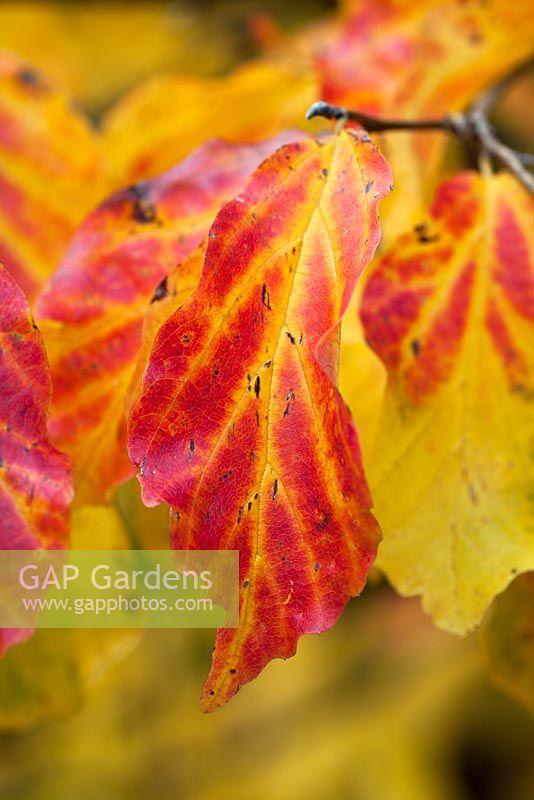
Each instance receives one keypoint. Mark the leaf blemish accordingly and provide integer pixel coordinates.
(265, 298)
(275, 488)
(160, 292)
(28, 77)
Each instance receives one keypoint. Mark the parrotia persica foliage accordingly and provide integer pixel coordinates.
(172, 304)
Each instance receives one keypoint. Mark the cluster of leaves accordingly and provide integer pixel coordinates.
(190, 326)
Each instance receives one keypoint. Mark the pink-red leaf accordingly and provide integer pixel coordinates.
(35, 478)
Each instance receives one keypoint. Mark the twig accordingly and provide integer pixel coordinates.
(372, 124)
(470, 126)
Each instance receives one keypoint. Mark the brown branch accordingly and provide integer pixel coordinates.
(470, 126)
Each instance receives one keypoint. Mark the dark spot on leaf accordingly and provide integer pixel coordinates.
(257, 386)
(325, 172)
(366, 138)
(143, 210)
(368, 186)
(29, 77)
(265, 298)
(291, 338)
(317, 566)
(192, 445)
(473, 496)
(275, 488)
(160, 292)
(423, 236)
(415, 346)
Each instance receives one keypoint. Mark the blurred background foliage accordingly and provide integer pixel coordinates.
(99, 49)
(383, 706)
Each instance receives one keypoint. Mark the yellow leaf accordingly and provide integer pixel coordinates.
(362, 377)
(161, 121)
(449, 313)
(100, 49)
(51, 172)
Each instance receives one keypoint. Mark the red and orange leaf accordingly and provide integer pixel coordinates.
(169, 296)
(50, 173)
(450, 311)
(162, 120)
(93, 308)
(240, 426)
(417, 60)
(35, 478)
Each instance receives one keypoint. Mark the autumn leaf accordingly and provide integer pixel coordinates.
(449, 310)
(240, 426)
(84, 44)
(508, 636)
(362, 376)
(162, 120)
(92, 310)
(35, 478)
(50, 172)
(169, 296)
(416, 61)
